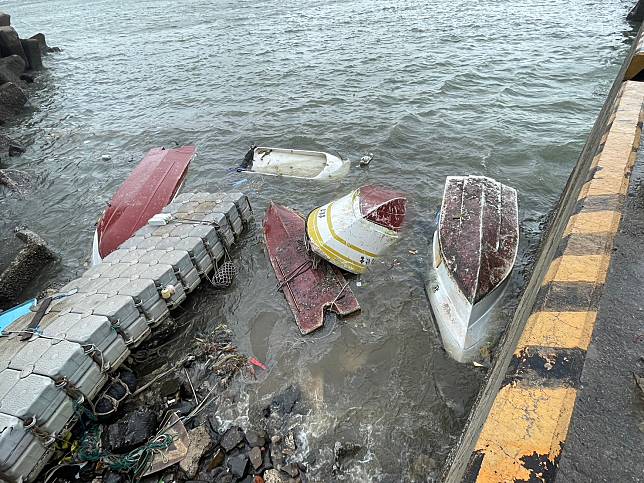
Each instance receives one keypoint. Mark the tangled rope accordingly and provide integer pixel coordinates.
(133, 462)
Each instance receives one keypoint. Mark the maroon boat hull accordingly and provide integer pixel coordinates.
(309, 291)
(149, 188)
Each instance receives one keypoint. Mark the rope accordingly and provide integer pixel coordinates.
(296, 272)
(133, 462)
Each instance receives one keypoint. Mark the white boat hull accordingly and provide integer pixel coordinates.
(464, 327)
(96, 256)
(340, 233)
(297, 163)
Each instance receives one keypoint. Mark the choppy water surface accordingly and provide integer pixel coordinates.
(505, 89)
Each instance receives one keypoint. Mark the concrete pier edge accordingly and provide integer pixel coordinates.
(520, 421)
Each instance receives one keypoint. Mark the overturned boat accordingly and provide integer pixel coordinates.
(355, 230)
(294, 163)
(474, 249)
(150, 187)
(310, 288)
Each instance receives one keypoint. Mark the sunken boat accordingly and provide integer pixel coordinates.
(474, 249)
(352, 232)
(294, 163)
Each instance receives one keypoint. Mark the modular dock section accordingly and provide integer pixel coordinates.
(48, 371)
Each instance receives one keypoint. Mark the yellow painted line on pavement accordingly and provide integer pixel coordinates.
(523, 421)
(564, 330)
(590, 222)
(578, 268)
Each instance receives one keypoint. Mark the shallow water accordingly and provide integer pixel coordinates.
(505, 89)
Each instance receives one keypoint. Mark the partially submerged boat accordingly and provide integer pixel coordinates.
(474, 249)
(294, 163)
(310, 288)
(355, 230)
(150, 187)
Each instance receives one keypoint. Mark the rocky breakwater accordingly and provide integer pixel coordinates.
(20, 60)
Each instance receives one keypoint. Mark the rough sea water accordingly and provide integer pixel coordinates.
(507, 89)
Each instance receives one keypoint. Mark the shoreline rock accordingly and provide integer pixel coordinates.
(26, 265)
(18, 58)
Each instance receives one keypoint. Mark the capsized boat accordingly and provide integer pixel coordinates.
(474, 249)
(294, 163)
(150, 187)
(355, 230)
(310, 288)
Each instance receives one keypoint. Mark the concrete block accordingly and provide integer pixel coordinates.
(5, 19)
(10, 43)
(33, 54)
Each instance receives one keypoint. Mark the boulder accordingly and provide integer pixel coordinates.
(200, 443)
(12, 100)
(33, 53)
(44, 48)
(274, 476)
(256, 438)
(11, 68)
(10, 43)
(29, 263)
(255, 456)
(5, 19)
(232, 438)
(238, 465)
(9, 147)
(131, 431)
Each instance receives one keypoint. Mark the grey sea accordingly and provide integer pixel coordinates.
(507, 89)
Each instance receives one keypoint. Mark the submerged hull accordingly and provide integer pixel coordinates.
(296, 163)
(473, 251)
(310, 291)
(150, 187)
(355, 230)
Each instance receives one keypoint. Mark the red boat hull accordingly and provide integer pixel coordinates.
(309, 291)
(151, 186)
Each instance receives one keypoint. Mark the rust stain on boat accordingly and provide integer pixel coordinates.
(309, 290)
(478, 233)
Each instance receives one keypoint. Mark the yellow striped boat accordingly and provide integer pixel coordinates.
(355, 230)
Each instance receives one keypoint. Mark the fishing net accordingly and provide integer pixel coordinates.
(224, 275)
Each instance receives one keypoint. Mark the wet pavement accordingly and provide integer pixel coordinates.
(606, 437)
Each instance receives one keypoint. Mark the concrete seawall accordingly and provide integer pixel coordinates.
(520, 422)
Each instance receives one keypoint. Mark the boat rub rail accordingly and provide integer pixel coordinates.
(527, 426)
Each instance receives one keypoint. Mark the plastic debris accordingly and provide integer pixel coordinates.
(257, 363)
(177, 450)
(366, 159)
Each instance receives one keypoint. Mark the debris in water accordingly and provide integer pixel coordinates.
(311, 287)
(177, 451)
(352, 232)
(366, 159)
(257, 363)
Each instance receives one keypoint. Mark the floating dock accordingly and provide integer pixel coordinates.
(47, 372)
